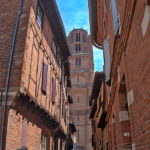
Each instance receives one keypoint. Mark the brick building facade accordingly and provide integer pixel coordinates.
(34, 76)
(121, 29)
(82, 69)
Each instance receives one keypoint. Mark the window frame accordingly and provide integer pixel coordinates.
(78, 61)
(44, 78)
(84, 38)
(45, 142)
(78, 47)
(78, 37)
(54, 86)
(39, 15)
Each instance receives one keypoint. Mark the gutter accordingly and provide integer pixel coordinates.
(9, 72)
(97, 45)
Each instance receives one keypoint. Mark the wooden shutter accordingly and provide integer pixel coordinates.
(53, 90)
(44, 78)
(114, 15)
(24, 133)
(107, 66)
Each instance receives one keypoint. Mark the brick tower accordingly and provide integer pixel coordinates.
(82, 69)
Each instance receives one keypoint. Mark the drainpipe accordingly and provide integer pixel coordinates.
(9, 71)
(1, 96)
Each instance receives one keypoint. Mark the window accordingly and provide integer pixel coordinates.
(43, 142)
(44, 78)
(77, 37)
(114, 15)
(54, 47)
(53, 90)
(54, 146)
(78, 99)
(78, 79)
(84, 37)
(78, 47)
(78, 61)
(78, 117)
(39, 15)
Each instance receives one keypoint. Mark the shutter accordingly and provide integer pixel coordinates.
(44, 78)
(107, 66)
(53, 90)
(24, 133)
(114, 15)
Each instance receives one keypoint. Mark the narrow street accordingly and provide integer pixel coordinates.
(75, 75)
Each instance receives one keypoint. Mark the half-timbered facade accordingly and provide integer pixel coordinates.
(34, 76)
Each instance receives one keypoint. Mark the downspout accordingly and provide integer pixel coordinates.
(9, 72)
(1, 97)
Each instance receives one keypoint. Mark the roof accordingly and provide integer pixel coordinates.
(98, 78)
(93, 13)
(55, 21)
(93, 18)
(79, 29)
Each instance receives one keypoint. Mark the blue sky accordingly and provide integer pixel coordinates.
(75, 14)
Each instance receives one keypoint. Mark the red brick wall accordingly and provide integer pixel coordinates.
(14, 132)
(134, 65)
(22, 68)
(8, 15)
(138, 75)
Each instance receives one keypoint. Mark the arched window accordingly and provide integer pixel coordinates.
(77, 37)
